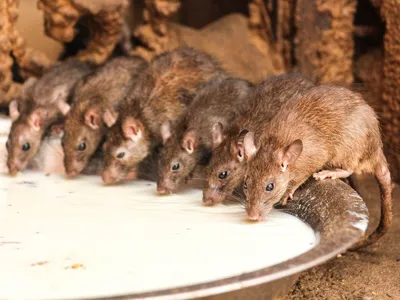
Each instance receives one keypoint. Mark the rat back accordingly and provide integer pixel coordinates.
(268, 97)
(176, 77)
(336, 126)
(65, 74)
(221, 100)
(111, 82)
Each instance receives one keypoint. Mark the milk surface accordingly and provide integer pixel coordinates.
(76, 238)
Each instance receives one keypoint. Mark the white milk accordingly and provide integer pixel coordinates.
(77, 238)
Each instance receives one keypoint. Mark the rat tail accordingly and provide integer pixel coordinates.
(382, 175)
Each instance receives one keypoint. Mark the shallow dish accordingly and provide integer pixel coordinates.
(56, 230)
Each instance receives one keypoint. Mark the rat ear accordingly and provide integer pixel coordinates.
(217, 133)
(14, 110)
(109, 117)
(290, 154)
(165, 131)
(92, 118)
(57, 130)
(132, 129)
(240, 152)
(249, 146)
(189, 141)
(60, 93)
(27, 87)
(237, 150)
(64, 107)
(36, 119)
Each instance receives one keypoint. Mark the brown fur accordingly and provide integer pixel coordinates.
(164, 92)
(39, 106)
(103, 90)
(327, 128)
(220, 101)
(265, 101)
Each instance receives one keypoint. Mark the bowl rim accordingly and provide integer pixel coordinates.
(341, 207)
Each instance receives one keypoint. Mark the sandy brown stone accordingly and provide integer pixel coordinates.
(324, 42)
(390, 115)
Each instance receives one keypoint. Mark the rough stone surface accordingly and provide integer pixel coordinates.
(106, 18)
(324, 42)
(30, 62)
(390, 115)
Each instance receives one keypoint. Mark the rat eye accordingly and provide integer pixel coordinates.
(175, 167)
(26, 147)
(121, 155)
(223, 175)
(270, 187)
(81, 147)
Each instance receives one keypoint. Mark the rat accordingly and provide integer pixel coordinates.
(96, 99)
(44, 101)
(163, 93)
(328, 132)
(226, 170)
(202, 129)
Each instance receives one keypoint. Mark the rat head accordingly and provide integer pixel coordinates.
(268, 174)
(81, 138)
(226, 169)
(25, 137)
(126, 145)
(29, 125)
(178, 160)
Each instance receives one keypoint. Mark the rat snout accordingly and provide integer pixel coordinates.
(164, 187)
(72, 173)
(132, 175)
(254, 213)
(108, 177)
(212, 196)
(14, 166)
(73, 168)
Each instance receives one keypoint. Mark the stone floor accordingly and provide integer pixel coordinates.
(371, 274)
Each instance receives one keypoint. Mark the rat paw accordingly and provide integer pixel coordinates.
(326, 174)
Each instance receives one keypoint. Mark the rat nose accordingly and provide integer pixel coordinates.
(208, 201)
(208, 198)
(14, 167)
(254, 214)
(108, 178)
(72, 173)
(162, 189)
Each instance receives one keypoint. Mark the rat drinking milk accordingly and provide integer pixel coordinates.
(328, 132)
(43, 103)
(203, 127)
(163, 94)
(227, 167)
(96, 100)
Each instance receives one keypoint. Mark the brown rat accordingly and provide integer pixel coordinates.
(227, 167)
(44, 102)
(164, 91)
(96, 99)
(329, 132)
(203, 127)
